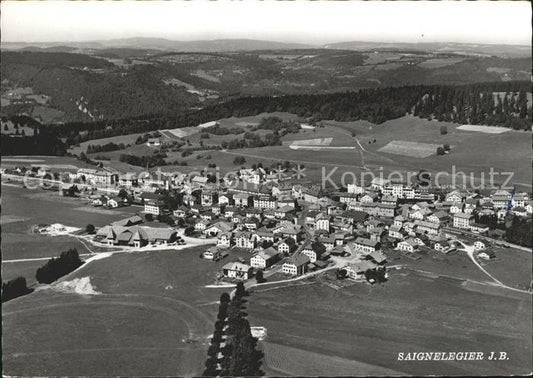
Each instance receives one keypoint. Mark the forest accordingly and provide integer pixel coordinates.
(474, 104)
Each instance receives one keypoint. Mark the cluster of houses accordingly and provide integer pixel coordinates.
(260, 211)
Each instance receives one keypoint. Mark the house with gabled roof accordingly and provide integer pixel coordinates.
(264, 234)
(292, 231)
(357, 270)
(287, 246)
(243, 199)
(408, 245)
(225, 240)
(314, 251)
(439, 217)
(296, 265)
(463, 220)
(237, 270)
(218, 227)
(245, 239)
(455, 196)
(265, 258)
(365, 245)
(322, 221)
(378, 257)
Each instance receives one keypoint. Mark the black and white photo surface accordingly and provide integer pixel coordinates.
(274, 188)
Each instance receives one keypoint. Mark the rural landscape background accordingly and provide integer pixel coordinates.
(317, 112)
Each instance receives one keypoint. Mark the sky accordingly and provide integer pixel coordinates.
(317, 22)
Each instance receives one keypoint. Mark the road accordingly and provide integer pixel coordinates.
(486, 238)
(469, 249)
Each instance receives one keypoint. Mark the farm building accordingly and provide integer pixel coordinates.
(356, 271)
(365, 245)
(408, 245)
(212, 253)
(265, 258)
(237, 270)
(135, 236)
(296, 265)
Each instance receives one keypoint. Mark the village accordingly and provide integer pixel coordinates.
(286, 230)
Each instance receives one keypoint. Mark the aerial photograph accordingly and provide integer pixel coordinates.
(266, 188)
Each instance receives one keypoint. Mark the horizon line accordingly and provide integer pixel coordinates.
(310, 44)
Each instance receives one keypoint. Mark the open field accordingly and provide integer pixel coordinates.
(287, 361)
(440, 62)
(512, 267)
(26, 269)
(126, 139)
(456, 264)
(472, 152)
(373, 324)
(153, 316)
(411, 149)
(484, 129)
(67, 163)
(38, 206)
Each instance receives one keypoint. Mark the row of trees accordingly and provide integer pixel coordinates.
(108, 147)
(58, 267)
(14, 288)
(239, 355)
(144, 161)
(53, 269)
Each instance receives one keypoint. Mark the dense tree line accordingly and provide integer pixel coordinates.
(14, 288)
(53, 59)
(42, 143)
(58, 267)
(252, 140)
(477, 104)
(518, 231)
(219, 130)
(144, 161)
(108, 147)
(240, 356)
(375, 105)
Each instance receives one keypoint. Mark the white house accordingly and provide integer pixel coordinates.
(365, 245)
(479, 245)
(237, 270)
(322, 222)
(245, 240)
(212, 253)
(314, 251)
(287, 246)
(356, 271)
(296, 265)
(224, 240)
(408, 245)
(462, 220)
(265, 258)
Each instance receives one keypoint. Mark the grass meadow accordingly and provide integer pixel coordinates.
(370, 325)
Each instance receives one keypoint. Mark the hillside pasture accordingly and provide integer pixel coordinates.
(153, 308)
(411, 149)
(33, 207)
(483, 129)
(440, 62)
(126, 139)
(288, 361)
(372, 324)
(472, 152)
(511, 266)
